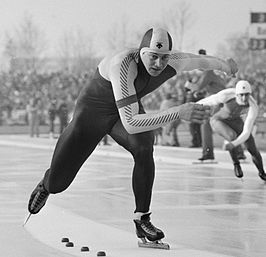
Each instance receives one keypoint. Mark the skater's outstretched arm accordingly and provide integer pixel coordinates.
(219, 98)
(188, 62)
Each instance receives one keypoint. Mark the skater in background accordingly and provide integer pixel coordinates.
(210, 83)
(111, 104)
(229, 105)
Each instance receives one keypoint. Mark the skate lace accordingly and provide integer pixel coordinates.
(238, 168)
(148, 227)
(39, 198)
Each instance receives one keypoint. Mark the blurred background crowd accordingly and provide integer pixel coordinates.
(39, 98)
(48, 98)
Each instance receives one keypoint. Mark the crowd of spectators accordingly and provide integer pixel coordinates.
(17, 90)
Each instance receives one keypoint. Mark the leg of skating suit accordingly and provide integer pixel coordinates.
(207, 139)
(256, 156)
(195, 133)
(230, 129)
(89, 124)
(238, 125)
(141, 147)
(226, 129)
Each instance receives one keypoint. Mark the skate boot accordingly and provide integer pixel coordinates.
(238, 170)
(38, 198)
(146, 230)
(206, 157)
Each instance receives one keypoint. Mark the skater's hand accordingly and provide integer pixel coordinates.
(193, 112)
(229, 146)
(232, 67)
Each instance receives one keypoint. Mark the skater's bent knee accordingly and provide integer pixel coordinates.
(142, 151)
(231, 135)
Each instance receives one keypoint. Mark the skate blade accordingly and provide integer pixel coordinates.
(205, 162)
(156, 245)
(26, 220)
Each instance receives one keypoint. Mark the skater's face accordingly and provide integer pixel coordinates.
(242, 99)
(154, 63)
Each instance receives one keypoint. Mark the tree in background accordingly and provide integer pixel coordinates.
(178, 19)
(121, 35)
(25, 48)
(75, 52)
(237, 47)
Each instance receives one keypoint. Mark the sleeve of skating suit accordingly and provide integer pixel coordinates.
(122, 73)
(249, 122)
(187, 62)
(218, 98)
(216, 101)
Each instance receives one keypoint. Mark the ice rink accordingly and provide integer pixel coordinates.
(204, 210)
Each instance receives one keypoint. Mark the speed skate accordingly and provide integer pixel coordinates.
(158, 244)
(149, 235)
